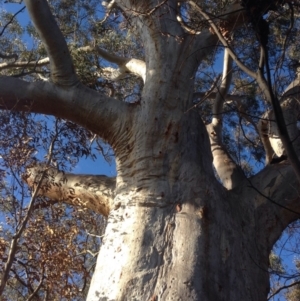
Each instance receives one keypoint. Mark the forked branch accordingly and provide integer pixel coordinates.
(264, 84)
(227, 170)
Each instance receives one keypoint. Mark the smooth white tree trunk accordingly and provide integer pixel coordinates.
(177, 233)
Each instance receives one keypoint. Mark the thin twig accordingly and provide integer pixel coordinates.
(283, 288)
(224, 41)
(11, 20)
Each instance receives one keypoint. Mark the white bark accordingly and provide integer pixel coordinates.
(293, 89)
(227, 170)
(126, 65)
(62, 69)
(101, 114)
(264, 132)
(86, 191)
(269, 132)
(24, 64)
(109, 6)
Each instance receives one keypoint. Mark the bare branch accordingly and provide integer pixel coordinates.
(242, 111)
(62, 69)
(126, 65)
(11, 20)
(212, 95)
(109, 6)
(24, 64)
(229, 98)
(223, 89)
(95, 192)
(33, 294)
(226, 168)
(100, 114)
(284, 287)
(266, 86)
(207, 95)
(263, 128)
(223, 40)
(141, 9)
(183, 23)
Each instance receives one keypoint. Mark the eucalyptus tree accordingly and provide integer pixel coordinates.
(188, 215)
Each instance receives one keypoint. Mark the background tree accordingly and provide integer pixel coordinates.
(141, 77)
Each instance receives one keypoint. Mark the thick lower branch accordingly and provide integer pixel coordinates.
(102, 115)
(95, 192)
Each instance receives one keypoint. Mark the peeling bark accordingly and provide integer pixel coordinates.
(86, 191)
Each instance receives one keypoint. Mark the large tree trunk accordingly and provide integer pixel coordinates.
(176, 233)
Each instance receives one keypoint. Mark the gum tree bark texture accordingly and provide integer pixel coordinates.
(173, 232)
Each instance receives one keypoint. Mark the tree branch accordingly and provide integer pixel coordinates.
(109, 6)
(264, 133)
(62, 69)
(8, 56)
(33, 294)
(221, 37)
(275, 195)
(212, 95)
(24, 64)
(284, 287)
(95, 192)
(227, 170)
(223, 90)
(11, 20)
(126, 65)
(266, 86)
(293, 89)
(102, 115)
